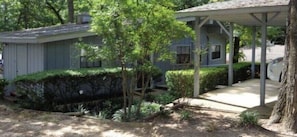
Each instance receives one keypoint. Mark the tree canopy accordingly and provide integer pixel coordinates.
(132, 31)
(23, 14)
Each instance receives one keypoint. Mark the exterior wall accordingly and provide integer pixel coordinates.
(216, 38)
(9, 57)
(20, 59)
(57, 54)
(168, 65)
(210, 35)
(75, 52)
(65, 55)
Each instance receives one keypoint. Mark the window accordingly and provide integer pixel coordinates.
(216, 52)
(183, 54)
(85, 62)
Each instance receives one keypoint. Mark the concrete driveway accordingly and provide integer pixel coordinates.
(238, 98)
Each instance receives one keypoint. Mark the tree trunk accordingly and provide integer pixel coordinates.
(70, 11)
(236, 49)
(285, 110)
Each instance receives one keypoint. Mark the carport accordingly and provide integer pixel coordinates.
(252, 13)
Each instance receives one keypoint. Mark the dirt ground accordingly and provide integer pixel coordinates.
(197, 122)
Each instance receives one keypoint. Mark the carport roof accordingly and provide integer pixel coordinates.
(243, 12)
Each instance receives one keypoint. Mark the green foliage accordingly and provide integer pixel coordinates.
(44, 90)
(245, 35)
(248, 118)
(131, 32)
(185, 115)
(103, 115)
(21, 14)
(83, 72)
(276, 34)
(108, 108)
(181, 81)
(80, 108)
(3, 83)
(184, 4)
(165, 98)
(146, 109)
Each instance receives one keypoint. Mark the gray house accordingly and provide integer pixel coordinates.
(213, 45)
(49, 48)
(46, 48)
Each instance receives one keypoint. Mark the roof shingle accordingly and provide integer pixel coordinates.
(46, 31)
(235, 4)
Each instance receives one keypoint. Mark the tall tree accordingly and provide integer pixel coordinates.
(57, 7)
(285, 109)
(184, 4)
(9, 15)
(70, 11)
(132, 31)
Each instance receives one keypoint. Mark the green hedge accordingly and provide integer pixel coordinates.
(46, 89)
(182, 81)
(3, 83)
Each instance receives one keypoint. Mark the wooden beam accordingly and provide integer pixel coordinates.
(231, 54)
(263, 59)
(224, 28)
(253, 51)
(197, 57)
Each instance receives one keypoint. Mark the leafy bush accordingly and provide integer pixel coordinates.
(146, 109)
(181, 82)
(46, 89)
(108, 107)
(3, 83)
(248, 118)
(242, 71)
(185, 115)
(164, 98)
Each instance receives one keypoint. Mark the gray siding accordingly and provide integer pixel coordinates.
(74, 57)
(210, 35)
(35, 58)
(75, 52)
(64, 54)
(9, 57)
(58, 54)
(20, 59)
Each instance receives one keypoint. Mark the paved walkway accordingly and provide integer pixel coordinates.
(239, 97)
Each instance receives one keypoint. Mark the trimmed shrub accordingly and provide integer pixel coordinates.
(3, 83)
(242, 71)
(181, 82)
(46, 89)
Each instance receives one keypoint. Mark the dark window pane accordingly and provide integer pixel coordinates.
(216, 52)
(183, 55)
(85, 63)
